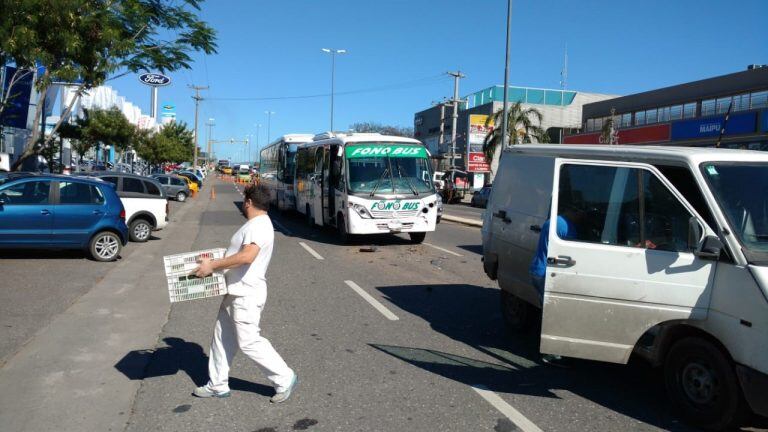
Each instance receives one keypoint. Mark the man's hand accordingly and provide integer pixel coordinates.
(205, 268)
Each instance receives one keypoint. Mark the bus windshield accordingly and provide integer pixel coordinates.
(389, 168)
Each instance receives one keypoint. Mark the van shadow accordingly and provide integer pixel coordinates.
(52, 254)
(471, 314)
(179, 356)
(476, 249)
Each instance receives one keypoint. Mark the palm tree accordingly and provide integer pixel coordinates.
(523, 126)
(609, 134)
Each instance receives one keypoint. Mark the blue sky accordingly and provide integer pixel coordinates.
(273, 49)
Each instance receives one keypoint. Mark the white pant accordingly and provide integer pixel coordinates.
(238, 326)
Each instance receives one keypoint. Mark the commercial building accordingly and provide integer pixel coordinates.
(690, 114)
(560, 109)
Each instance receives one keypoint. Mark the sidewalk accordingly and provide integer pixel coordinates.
(73, 375)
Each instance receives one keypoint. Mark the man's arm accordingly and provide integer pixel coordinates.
(244, 256)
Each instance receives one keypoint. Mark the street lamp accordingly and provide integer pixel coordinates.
(269, 124)
(210, 123)
(258, 151)
(505, 109)
(333, 53)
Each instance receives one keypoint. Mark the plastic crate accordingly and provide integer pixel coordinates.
(183, 286)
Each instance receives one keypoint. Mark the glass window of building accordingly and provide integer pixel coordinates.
(707, 107)
(689, 110)
(598, 124)
(663, 114)
(741, 102)
(640, 118)
(723, 104)
(759, 99)
(676, 112)
(651, 116)
(626, 120)
(590, 125)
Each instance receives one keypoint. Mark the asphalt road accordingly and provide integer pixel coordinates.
(463, 210)
(405, 338)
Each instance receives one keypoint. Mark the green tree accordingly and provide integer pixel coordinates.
(523, 126)
(403, 131)
(107, 127)
(91, 41)
(173, 143)
(609, 133)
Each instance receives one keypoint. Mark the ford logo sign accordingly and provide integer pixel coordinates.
(154, 79)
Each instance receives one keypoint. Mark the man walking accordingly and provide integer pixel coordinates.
(237, 325)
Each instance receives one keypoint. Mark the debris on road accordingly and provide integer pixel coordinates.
(368, 249)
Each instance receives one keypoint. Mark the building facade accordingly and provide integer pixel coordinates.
(690, 114)
(560, 109)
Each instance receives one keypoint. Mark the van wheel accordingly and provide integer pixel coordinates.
(105, 246)
(417, 237)
(181, 197)
(341, 230)
(519, 315)
(702, 385)
(140, 230)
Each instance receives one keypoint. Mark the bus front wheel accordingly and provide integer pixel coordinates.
(341, 229)
(417, 237)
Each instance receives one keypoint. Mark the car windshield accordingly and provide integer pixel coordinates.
(741, 190)
(389, 168)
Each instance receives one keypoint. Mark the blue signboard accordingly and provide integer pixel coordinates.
(15, 114)
(710, 127)
(765, 121)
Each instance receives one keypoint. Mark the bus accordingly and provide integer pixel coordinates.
(366, 183)
(276, 169)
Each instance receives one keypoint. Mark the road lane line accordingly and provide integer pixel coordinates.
(311, 251)
(285, 230)
(375, 303)
(442, 249)
(508, 410)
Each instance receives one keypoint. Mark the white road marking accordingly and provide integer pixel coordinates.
(508, 410)
(442, 249)
(285, 230)
(375, 303)
(311, 251)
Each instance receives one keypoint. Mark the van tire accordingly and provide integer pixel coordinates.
(417, 237)
(519, 315)
(140, 230)
(702, 385)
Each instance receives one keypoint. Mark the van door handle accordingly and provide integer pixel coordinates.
(536, 228)
(561, 260)
(502, 214)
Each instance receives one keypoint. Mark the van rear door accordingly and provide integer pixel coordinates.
(619, 260)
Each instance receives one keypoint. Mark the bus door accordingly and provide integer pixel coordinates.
(317, 188)
(333, 169)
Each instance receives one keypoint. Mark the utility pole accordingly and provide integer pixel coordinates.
(456, 77)
(210, 123)
(505, 109)
(269, 124)
(197, 99)
(333, 52)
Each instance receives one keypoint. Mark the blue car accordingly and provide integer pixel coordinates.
(61, 212)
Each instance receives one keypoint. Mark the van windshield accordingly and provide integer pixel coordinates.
(741, 190)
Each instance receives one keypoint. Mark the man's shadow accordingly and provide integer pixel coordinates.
(179, 355)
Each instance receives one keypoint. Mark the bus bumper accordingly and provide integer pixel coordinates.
(359, 225)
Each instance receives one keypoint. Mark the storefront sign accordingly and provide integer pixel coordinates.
(154, 79)
(765, 121)
(17, 110)
(480, 125)
(367, 151)
(641, 135)
(710, 127)
(478, 163)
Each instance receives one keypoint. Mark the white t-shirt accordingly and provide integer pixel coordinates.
(251, 279)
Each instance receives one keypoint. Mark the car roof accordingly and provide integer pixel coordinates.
(13, 176)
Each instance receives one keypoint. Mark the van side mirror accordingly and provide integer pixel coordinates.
(710, 248)
(695, 234)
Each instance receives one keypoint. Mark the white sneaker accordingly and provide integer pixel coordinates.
(284, 395)
(205, 392)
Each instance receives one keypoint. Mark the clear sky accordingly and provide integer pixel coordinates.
(398, 49)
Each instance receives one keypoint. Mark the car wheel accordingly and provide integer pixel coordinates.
(105, 246)
(702, 385)
(417, 237)
(140, 230)
(519, 315)
(181, 197)
(341, 230)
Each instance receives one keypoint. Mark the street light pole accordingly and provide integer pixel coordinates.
(258, 150)
(210, 123)
(505, 113)
(333, 53)
(269, 124)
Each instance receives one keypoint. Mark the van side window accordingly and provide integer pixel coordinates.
(682, 179)
(623, 207)
(131, 184)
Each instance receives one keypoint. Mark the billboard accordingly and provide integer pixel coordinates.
(15, 114)
(640, 135)
(710, 127)
(168, 113)
(479, 127)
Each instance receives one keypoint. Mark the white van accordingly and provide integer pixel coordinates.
(658, 251)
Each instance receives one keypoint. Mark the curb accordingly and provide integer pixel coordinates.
(461, 220)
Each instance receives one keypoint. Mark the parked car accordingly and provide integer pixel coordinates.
(146, 205)
(173, 186)
(658, 252)
(56, 211)
(190, 183)
(480, 197)
(192, 176)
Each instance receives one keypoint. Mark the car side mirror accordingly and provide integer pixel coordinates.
(710, 248)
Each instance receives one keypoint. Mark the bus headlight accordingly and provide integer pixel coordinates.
(361, 211)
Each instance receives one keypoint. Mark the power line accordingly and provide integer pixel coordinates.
(406, 84)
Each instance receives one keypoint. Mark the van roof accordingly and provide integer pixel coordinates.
(688, 155)
(347, 138)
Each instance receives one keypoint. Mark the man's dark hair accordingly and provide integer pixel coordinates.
(258, 195)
